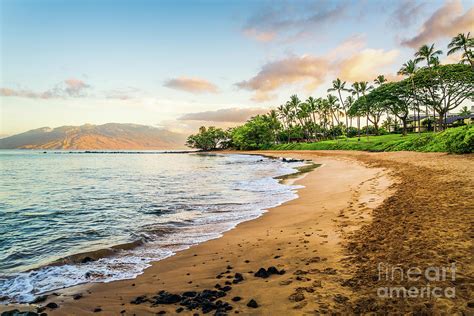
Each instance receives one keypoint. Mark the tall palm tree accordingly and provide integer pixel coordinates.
(380, 80)
(356, 91)
(427, 53)
(274, 123)
(364, 88)
(347, 104)
(339, 85)
(312, 106)
(294, 104)
(335, 108)
(465, 43)
(409, 69)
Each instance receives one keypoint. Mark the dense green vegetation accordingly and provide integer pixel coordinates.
(432, 90)
(455, 140)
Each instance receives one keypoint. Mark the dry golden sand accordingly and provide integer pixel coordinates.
(356, 210)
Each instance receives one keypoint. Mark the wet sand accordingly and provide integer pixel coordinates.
(355, 211)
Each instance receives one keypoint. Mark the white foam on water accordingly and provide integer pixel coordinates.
(201, 226)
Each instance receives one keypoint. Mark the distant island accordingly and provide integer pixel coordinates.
(88, 136)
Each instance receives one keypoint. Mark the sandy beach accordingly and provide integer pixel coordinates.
(355, 211)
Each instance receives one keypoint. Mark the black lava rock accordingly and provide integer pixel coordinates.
(139, 300)
(86, 260)
(236, 298)
(52, 305)
(40, 299)
(252, 303)
(167, 298)
(77, 296)
(273, 270)
(238, 277)
(16, 312)
(261, 273)
(189, 294)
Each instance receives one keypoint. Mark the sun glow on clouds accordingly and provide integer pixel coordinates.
(192, 85)
(312, 71)
(449, 20)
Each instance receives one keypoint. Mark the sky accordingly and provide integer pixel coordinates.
(183, 64)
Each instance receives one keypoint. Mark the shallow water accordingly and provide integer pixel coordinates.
(57, 204)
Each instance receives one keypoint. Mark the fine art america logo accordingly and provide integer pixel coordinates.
(428, 278)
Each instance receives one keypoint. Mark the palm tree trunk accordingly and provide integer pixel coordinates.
(358, 128)
(419, 120)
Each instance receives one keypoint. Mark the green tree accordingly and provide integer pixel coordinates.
(258, 132)
(408, 69)
(427, 53)
(445, 87)
(210, 138)
(465, 111)
(463, 42)
(339, 86)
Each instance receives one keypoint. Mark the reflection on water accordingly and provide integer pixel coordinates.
(57, 204)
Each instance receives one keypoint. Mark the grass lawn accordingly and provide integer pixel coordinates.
(455, 140)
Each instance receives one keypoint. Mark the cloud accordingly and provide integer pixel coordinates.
(351, 45)
(192, 85)
(406, 13)
(75, 87)
(224, 115)
(447, 21)
(7, 92)
(309, 70)
(292, 20)
(68, 88)
(367, 64)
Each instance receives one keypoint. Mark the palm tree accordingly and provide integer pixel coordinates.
(380, 80)
(364, 88)
(274, 123)
(338, 85)
(465, 111)
(286, 116)
(427, 53)
(356, 91)
(312, 106)
(335, 108)
(409, 69)
(347, 104)
(465, 43)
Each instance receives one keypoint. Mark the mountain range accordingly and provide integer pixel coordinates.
(88, 136)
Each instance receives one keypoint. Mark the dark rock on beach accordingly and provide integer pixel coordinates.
(238, 277)
(139, 300)
(252, 303)
(52, 305)
(16, 312)
(265, 273)
(40, 299)
(164, 297)
(262, 273)
(77, 296)
(86, 260)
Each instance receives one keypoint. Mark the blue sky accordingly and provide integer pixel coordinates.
(151, 62)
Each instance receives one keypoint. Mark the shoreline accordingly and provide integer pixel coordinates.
(113, 250)
(318, 248)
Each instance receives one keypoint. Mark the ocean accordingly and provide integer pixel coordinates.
(147, 205)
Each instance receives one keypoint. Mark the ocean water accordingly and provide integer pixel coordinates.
(57, 204)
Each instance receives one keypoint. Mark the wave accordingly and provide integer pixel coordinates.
(194, 224)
